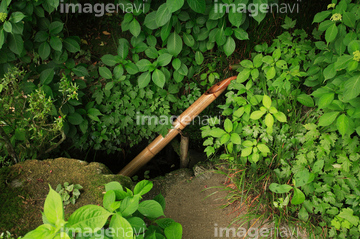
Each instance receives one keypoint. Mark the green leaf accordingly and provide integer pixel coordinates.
(53, 208)
(144, 65)
(239, 112)
(257, 14)
(56, 27)
(71, 45)
(325, 100)
(174, 44)
(151, 209)
(20, 134)
(122, 227)
(277, 188)
(109, 60)
(80, 71)
(16, 43)
(41, 36)
(269, 120)
(144, 79)
(271, 73)
(246, 151)
(328, 118)
(198, 6)
(163, 15)
(137, 224)
(330, 71)
(44, 50)
(88, 217)
(46, 76)
(45, 231)
(243, 75)
(16, 17)
(303, 214)
(174, 5)
(143, 187)
(240, 33)
(321, 16)
(301, 178)
(7, 26)
(347, 213)
(150, 21)
(224, 139)
(75, 118)
(298, 197)
(352, 88)
(280, 116)
(235, 138)
(342, 124)
(331, 33)
(56, 43)
(199, 58)
(349, 19)
(236, 19)
(188, 39)
(129, 205)
(306, 100)
(229, 46)
(228, 125)
(164, 59)
(131, 68)
(318, 166)
(105, 72)
(158, 78)
(2, 38)
(174, 231)
(123, 48)
(266, 101)
(257, 114)
(109, 199)
(263, 148)
(217, 133)
(135, 28)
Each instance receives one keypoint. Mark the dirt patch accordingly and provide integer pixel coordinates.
(27, 184)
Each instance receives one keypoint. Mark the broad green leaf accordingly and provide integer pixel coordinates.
(138, 224)
(44, 50)
(174, 44)
(243, 75)
(188, 39)
(151, 209)
(269, 120)
(239, 112)
(80, 71)
(280, 116)
(164, 59)
(53, 208)
(109, 199)
(143, 65)
(109, 60)
(16, 43)
(75, 118)
(246, 151)
(224, 139)
(328, 118)
(271, 73)
(349, 19)
(89, 217)
(331, 33)
(174, 5)
(318, 166)
(2, 38)
(198, 6)
(123, 48)
(163, 15)
(217, 133)
(105, 72)
(235, 138)
(228, 125)
(143, 187)
(131, 68)
(236, 19)
(277, 188)
(135, 27)
(71, 45)
(158, 78)
(330, 71)
(321, 16)
(257, 13)
(150, 21)
(174, 231)
(199, 58)
(347, 213)
(257, 114)
(144, 79)
(342, 124)
(176, 63)
(229, 46)
(41, 36)
(56, 27)
(303, 214)
(298, 197)
(306, 100)
(352, 88)
(16, 17)
(45, 231)
(263, 148)
(56, 43)
(240, 33)
(129, 205)
(118, 222)
(46, 76)
(7, 26)
(266, 101)
(325, 100)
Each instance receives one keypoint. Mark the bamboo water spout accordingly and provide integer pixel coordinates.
(179, 124)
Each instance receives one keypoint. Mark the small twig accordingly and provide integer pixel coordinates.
(63, 137)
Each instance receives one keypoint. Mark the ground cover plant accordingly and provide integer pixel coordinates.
(290, 120)
(293, 123)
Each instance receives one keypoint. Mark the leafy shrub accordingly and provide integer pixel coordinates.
(69, 192)
(124, 208)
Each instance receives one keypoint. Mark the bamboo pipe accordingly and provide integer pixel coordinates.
(179, 124)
